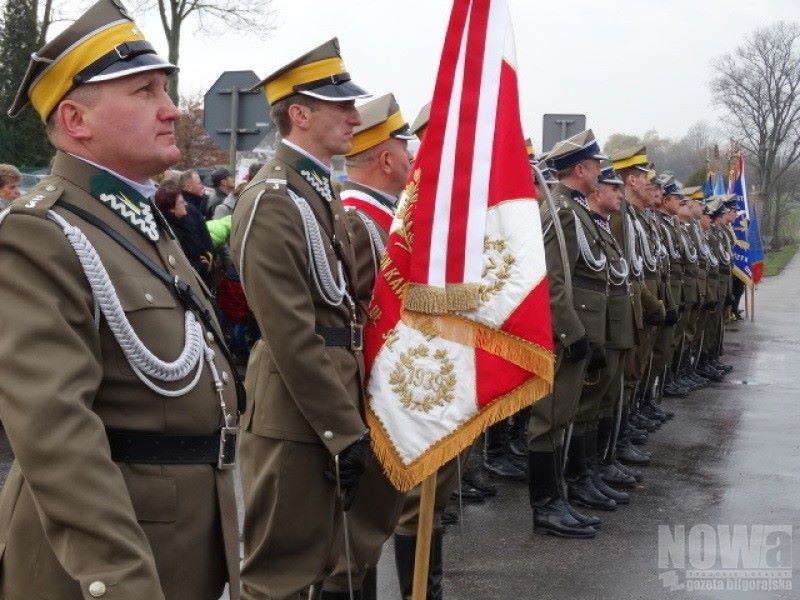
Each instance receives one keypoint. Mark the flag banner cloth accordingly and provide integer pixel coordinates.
(459, 334)
(747, 253)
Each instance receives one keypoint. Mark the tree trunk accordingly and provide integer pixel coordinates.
(173, 44)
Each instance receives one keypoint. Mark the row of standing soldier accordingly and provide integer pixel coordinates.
(122, 484)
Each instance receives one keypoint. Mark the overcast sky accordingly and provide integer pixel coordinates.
(629, 65)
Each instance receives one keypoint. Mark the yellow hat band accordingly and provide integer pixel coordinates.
(529, 148)
(373, 136)
(697, 195)
(633, 161)
(284, 85)
(57, 80)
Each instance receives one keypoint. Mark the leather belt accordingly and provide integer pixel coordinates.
(142, 447)
(589, 283)
(344, 337)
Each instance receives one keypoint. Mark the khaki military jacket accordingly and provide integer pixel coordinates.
(299, 389)
(621, 331)
(688, 247)
(73, 523)
(645, 299)
(585, 313)
(370, 215)
(673, 259)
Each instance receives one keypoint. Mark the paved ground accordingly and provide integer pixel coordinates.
(730, 457)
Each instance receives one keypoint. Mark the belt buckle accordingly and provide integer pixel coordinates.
(356, 336)
(228, 438)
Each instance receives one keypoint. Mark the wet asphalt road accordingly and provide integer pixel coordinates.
(731, 456)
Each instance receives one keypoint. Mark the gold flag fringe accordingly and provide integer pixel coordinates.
(523, 353)
(433, 300)
(405, 477)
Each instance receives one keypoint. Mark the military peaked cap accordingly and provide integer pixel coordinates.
(581, 146)
(319, 74)
(102, 44)
(420, 124)
(380, 120)
(634, 157)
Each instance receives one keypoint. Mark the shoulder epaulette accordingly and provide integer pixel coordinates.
(40, 199)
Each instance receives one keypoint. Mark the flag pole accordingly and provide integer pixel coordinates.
(422, 555)
(752, 303)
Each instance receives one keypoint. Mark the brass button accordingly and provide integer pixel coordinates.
(50, 188)
(97, 589)
(328, 435)
(278, 168)
(171, 260)
(225, 376)
(149, 297)
(335, 217)
(583, 306)
(563, 336)
(209, 336)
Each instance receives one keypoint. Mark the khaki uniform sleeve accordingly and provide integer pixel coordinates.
(365, 265)
(651, 305)
(567, 326)
(278, 287)
(49, 349)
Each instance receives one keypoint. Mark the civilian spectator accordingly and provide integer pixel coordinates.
(222, 180)
(191, 232)
(193, 191)
(10, 178)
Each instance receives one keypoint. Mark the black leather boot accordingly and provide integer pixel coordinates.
(405, 547)
(593, 464)
(612, 475)
(629, 470)
(496, 455)
(517, 442)
(627, 454)
(581, 488)
(551, 514)
(369, 587)
(480, 482)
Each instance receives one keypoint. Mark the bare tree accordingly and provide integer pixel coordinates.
(253, 16)
(197, 148)
(759, 86)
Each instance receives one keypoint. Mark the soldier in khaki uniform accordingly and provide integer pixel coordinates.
(378, 165)
(115, 391)
(577, 282)
(630, 229)
(599, 403)
(304, 432)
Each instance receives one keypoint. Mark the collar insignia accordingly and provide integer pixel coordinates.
(127, 203)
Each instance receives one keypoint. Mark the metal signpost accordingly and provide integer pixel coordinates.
(234, 115)
(557, 127)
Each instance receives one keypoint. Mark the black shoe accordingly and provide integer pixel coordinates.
(610, 473)
(639, 420)
(468, 493)
(554, 518)
(638, 438)
(589, 520)
(698, 379)
(339, 595)
(628, 455)
(674, 390)
(474, 478)
(583, 492)
(709, 372)
(629, 470)
(449, 517)
(405, 547)
(617, 496)
(502, 466)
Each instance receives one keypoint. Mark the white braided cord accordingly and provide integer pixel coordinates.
(594, 263)
(332, 290)
(146, 365)
(376, 243)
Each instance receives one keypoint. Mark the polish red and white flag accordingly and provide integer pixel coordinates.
(459, 335)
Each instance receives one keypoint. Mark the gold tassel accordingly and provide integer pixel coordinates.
(405, 477)
(425, 299)
(463, 296)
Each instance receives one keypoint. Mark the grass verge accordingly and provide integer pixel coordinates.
(775, 261)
